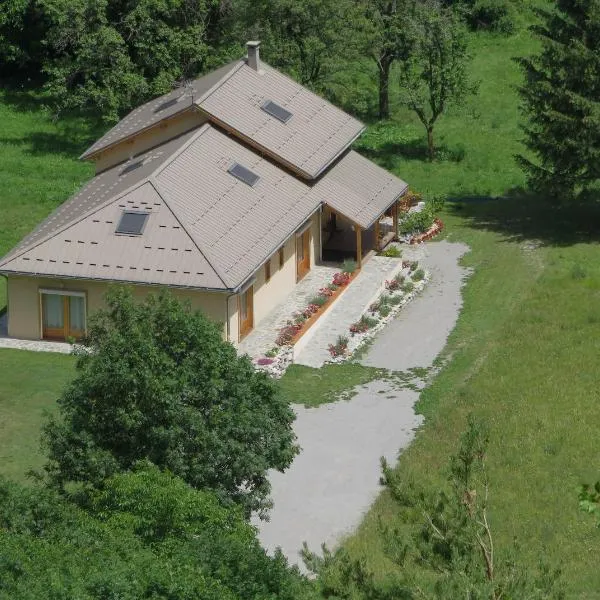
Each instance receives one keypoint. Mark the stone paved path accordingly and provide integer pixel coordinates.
(368, 284)
(36, 346)
(334, 480)
(262, 339)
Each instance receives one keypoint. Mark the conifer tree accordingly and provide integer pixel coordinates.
(561, 98)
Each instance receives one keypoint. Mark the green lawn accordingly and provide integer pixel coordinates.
(38, 166)
(30, 383)
(524, 355)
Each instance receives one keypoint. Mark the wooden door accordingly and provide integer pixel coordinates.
(246, 310)
(302, 255)
(63, 316)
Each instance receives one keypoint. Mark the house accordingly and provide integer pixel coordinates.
(226, 191)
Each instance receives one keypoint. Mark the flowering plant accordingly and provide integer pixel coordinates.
(264, 361)
(341, 279)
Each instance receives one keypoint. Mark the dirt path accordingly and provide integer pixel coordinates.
(335, 479)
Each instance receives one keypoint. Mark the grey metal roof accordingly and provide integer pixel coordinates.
(206, 228)
(161, 108)
(236, 226)
(359, 189)
(315, 135)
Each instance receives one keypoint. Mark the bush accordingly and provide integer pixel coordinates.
(349, 266)
(391, 252)
(272, 352)
(385, 310)
(408, 286)
(363, 324)
(341, 279)
(419, 222)
(395, 300)
(340, 346)
(414, 265)
(496, 15)
(418, 275)
(319, 300)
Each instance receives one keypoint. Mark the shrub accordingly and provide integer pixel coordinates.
(385, 310)
(319, 300)
(395, 300)
(327, 291)
(414, 265)
(384, 299)
(408, 286)
(391, 252)
(419, 222)
(349, 266)
(333, 287)
(418, 275)
(496, 15)
(339, 348)
(287, 333)
(363, 324)
(392, 285)
(272, 352)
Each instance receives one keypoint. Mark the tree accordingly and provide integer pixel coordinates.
(444, 547)
(309, 39)
(561, 98)
(387, 41)
(434, 74)
(146, 534)
(106, 56)
(156, 381)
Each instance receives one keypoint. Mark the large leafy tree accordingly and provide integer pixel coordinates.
(388, 41)
(561, 98)
(309, 39)
(156, 381)
(434, 75)
(146, 534)
(106, 56)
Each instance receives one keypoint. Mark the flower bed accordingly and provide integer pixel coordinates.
(277, 360)
(398, 291)
(427, 235)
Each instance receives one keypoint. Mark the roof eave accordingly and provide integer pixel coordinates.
(7, 272)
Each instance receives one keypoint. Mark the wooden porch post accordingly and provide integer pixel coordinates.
(358, 246)
(377, 248)
(395, 219)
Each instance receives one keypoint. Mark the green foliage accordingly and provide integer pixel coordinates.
(384, 310)
(418, 275)
(434, 75)
(349, 266)
(494, 15)
(318, 300)
(105, 57)
(307, 39)
(407, 287)
(146, 534)
(589, 499)
(421, 221)
(448, 534)
(561, 98)
(274, 351)
(392, 252)
(156, 381)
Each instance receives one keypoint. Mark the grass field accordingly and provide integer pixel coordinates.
(523, 357)
(38, 166)
(30, 383)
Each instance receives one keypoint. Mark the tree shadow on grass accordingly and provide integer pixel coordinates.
(387, 154)
(71, 134)
(522, 216)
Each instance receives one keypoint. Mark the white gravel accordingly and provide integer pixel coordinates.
(335, 479)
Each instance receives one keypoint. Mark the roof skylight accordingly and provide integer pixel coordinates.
(277, 111)
(132, 223)
(246, 175)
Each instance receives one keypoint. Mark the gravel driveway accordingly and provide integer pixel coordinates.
(331, 484)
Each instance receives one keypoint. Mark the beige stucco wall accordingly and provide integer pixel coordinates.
(158, 134)
(267, 295)
(24, 293)
(24, 301)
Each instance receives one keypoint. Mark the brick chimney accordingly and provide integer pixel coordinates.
(253, 55)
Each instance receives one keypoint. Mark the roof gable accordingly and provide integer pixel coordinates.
(90, 249)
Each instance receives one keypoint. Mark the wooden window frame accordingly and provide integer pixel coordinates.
(66, 315)
(281, 257)
(268, 271)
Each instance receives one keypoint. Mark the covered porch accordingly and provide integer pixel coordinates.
(343, 238)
